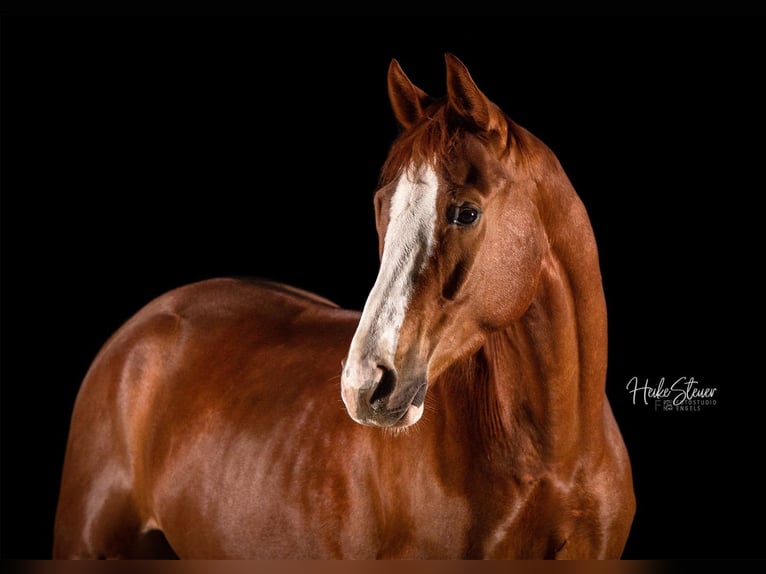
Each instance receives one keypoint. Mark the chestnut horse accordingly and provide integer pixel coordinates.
(212, 424)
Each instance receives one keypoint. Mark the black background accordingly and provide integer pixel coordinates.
(140, 155)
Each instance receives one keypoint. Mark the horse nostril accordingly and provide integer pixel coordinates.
(386, 380)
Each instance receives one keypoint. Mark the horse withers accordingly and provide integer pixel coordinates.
(462, 414)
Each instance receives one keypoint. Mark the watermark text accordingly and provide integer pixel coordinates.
(683, 394)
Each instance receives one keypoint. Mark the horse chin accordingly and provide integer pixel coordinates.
(411, 416)
(394, 421)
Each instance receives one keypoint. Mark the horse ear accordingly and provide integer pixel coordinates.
(407, 100)
(465, 97)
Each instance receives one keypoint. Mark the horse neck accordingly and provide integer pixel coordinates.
(538, 385)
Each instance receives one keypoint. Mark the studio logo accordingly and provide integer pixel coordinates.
(685, 394)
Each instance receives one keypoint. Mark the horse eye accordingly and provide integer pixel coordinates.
(463, 214)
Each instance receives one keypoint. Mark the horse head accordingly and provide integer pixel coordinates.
(461, 245)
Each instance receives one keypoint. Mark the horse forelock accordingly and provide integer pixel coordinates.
(436, 136)
(418, 145)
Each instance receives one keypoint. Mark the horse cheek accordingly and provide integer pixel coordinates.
(509, 272)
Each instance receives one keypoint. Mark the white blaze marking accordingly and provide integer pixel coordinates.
(409, 242)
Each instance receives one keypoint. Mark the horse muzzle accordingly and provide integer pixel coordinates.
(376, 395)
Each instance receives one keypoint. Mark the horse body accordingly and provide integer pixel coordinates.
(476, 370)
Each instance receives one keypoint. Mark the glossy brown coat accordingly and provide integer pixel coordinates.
(211, 424)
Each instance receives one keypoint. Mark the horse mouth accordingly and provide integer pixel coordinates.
(406, 415)
(420, 396)
(385, 400)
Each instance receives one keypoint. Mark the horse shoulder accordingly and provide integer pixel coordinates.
(214, 344)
